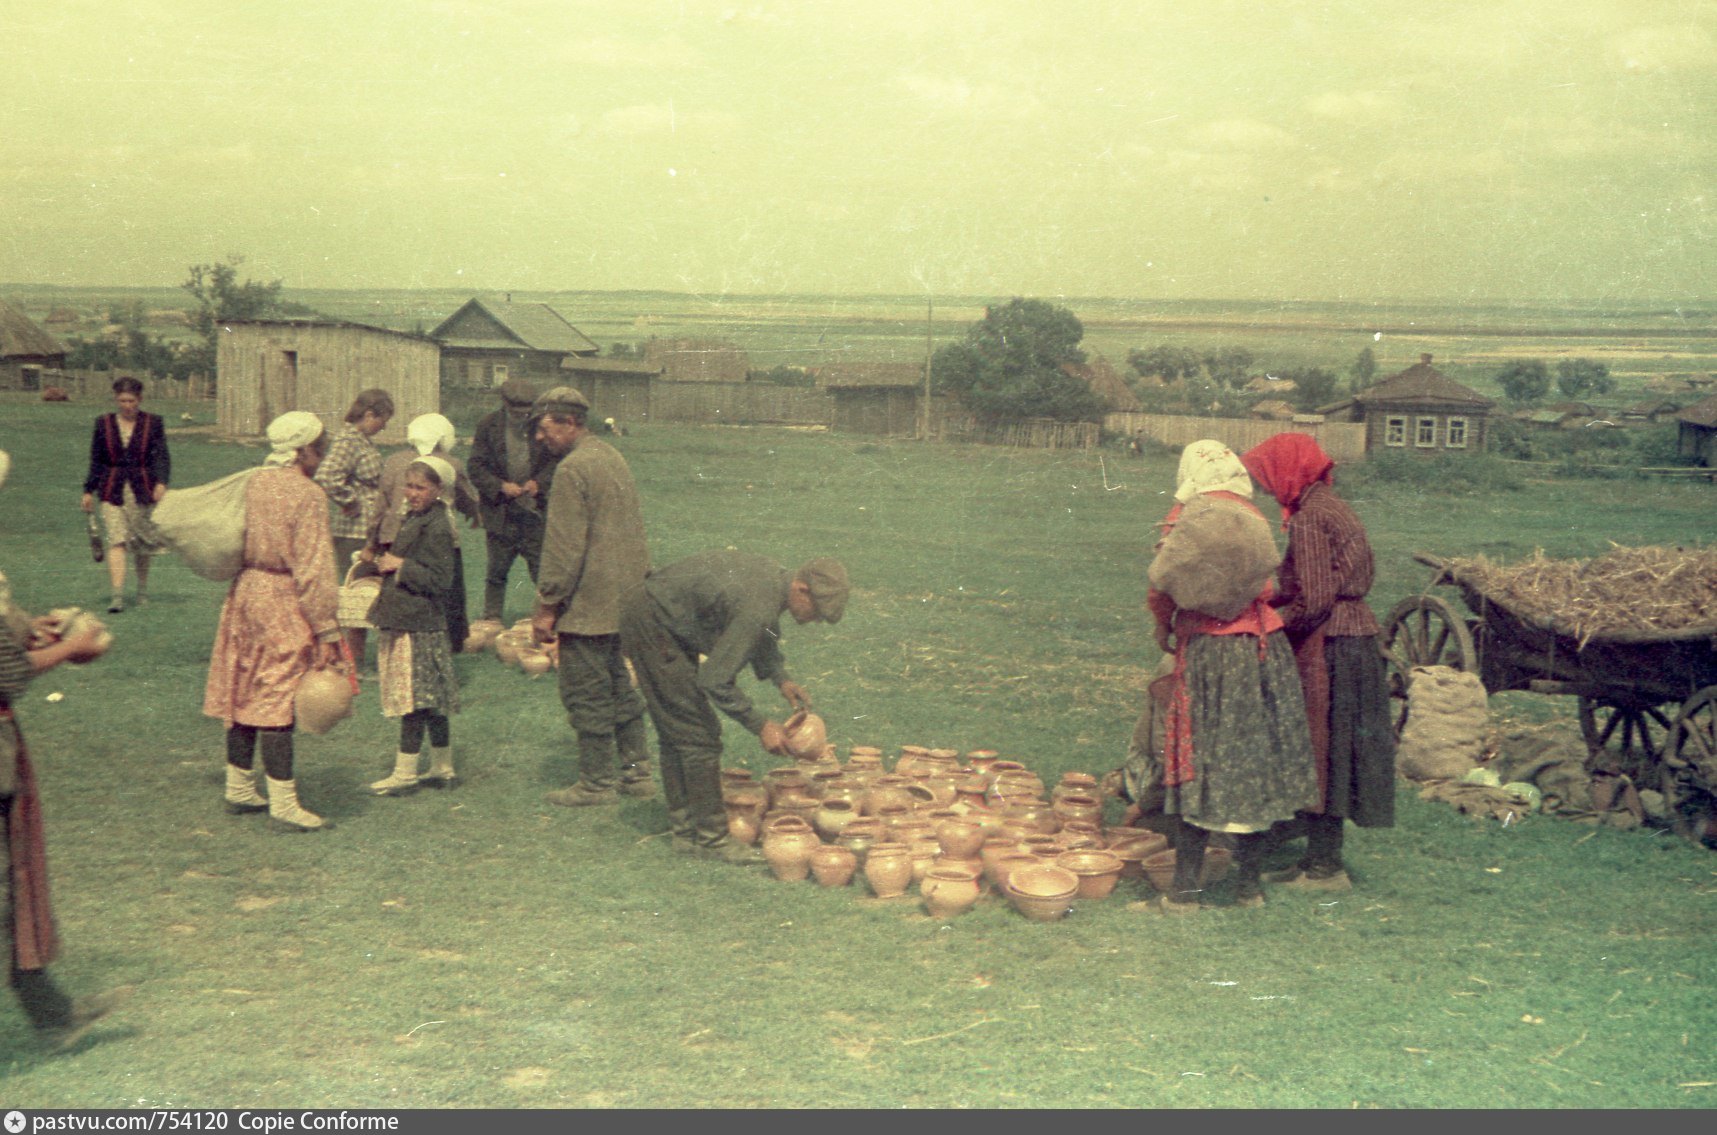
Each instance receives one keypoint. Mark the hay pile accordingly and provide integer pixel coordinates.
(1651, 589)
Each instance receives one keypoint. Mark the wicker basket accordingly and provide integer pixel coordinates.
(357, 596)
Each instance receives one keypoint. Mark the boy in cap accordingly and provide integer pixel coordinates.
(727, 606)
(593, 552)
(512, 472)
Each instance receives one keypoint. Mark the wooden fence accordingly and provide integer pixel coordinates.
(1030, 433)
(97, 386)
(1343, 441)
(739, 403)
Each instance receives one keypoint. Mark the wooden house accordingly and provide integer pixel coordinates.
(1652, 410)
(698, 360)
(1272, 410)
(616, 388)
(873, 398)
(1106, 383)
(486, 342)
(265, 367)
(1417, 411)
(25, 350)
(1697, 432)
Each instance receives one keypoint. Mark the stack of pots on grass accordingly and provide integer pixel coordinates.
(513, 645)
(944, 827)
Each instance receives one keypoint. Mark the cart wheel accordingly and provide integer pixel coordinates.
(1690, 767)
(1626, 736)
(1423, 630)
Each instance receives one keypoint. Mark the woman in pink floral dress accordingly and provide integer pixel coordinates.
(277, 623)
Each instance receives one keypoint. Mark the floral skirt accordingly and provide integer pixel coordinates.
(1251, 749)
(416, 669)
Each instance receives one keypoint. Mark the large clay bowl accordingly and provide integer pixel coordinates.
(1159, 868)
(1098, 871)
(1134, 847)
(1043, 892)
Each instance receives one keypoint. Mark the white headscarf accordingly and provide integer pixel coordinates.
(289, 433)
(430, 432)
(443, 469)
(1210, 467)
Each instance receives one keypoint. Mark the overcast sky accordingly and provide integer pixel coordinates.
(1541, 150)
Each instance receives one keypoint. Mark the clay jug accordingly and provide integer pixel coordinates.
(949, 890)
(787, 845)
(888, 869)
(1078, 783)
(806, 736)
(833, 866)
(833, 816)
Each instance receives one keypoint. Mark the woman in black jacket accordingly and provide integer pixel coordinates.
(128, 473)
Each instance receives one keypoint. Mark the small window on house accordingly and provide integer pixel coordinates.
(1425, 432)
(1395, 430)
(498, 376)
(1457, 436)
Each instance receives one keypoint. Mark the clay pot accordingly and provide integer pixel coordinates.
(864, 763)
(833, 866)
(787, 784)
(745, 807)
(508, 644)
(822, 778)
(970, 789)
(733, 777)
(909, 757)
(888, 869)
(1078, 783)
(949, 890)
(1078, 806)
(907, 828)
(535, 663)
(1040, 844)
(1006, 865)
(1159, 868)
(1033, 813)
(1080, 833)
(481, 635)
(1134, 846)
(860, 834)
(322, 701)
(806, 736)
(960, 839)
(925, 852)
(994, 848)
(1043, 892)
(1018, 782)
(832, 817)
(1098, 871)
(805, 807)
(787, 845)
(886, 791)
(744, 827)
(981, 761)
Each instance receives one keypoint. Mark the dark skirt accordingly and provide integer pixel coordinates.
(1252, 753)
(1361, 741)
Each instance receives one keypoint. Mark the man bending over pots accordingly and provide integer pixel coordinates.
(727, 606)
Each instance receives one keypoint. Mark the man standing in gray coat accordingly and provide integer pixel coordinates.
(511, 471)
(593, 552)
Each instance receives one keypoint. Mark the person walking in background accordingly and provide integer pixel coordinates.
(277, 622)
(414, 654)
(129, 469)
(593, 551)
(512, 471)
(1324, 578)
(25, 907)
(726, 607)
(427, 435)
(351, 476)
(1237, 754)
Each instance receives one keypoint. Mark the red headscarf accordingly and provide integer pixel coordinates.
(1286, 465)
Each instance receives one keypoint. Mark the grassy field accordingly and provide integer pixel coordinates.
(480, 948)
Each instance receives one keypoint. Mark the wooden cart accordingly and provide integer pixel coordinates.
(1648, 700)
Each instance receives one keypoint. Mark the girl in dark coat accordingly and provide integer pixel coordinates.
(415, 652)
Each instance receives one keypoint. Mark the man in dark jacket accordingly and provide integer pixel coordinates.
(512, 472)
(725, 606)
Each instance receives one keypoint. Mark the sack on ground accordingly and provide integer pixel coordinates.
(204, 524)
(1216, 558)
(1448, 713)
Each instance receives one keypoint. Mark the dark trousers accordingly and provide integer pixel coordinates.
(601, 706)
(688, 731)
(518, 540)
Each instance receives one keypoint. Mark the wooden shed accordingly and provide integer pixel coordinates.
(698, 360)
(1106, 383)
(616, 388)
(873, 398)
(1696, 435)
(25, 350)
(486, 342)
(1419, 410)
(265, 367)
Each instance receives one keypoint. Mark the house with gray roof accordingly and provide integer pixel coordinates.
(1419, 410)
(486, 342)
(25, 350)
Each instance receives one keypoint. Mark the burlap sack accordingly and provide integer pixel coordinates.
(204, 524)
(1448, 714)
(1216, 558)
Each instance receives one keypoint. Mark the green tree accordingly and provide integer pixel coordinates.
(1313, 387)
(1363, 370)
(221, 296)
(1171, 364)
(1578, 377)
(1525, 381)
(1229, 366)
(1011, 365)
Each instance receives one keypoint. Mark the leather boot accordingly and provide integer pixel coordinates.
(582, 795)
(635, 780)
(284, 808)
(242, 796)
(402, 780)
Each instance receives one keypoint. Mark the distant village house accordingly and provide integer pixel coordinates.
(486, 342)
(1419, 410)
(25, 350)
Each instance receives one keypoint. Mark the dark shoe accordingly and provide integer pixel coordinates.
(432, 779)
(116, 607)
(729, 850)
(1286, 874)
(580, 796)
(1311, 880)
(84, 1015)
(237, 808)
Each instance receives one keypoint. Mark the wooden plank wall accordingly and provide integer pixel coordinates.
(334, 363)
(1343, 441)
